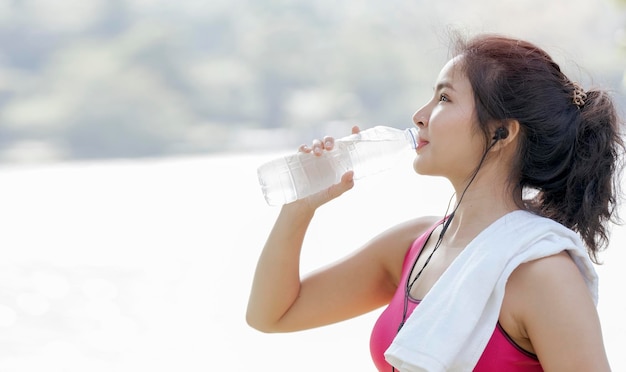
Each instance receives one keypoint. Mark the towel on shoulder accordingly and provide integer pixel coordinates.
(452, 325)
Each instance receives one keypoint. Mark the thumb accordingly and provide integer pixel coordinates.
(334, 191)
(346, 183)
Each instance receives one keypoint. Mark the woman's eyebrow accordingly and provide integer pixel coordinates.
(444, 84)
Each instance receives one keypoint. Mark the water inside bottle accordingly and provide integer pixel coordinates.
(316, 173)
(372, 156)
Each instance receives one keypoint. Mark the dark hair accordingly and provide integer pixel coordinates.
(568, 154)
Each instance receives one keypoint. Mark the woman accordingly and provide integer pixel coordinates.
(533, 158)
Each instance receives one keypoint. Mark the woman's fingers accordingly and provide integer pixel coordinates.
(318, 146)
(329, 143)
(304, 148)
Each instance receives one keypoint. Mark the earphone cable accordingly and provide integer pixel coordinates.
(446, 224)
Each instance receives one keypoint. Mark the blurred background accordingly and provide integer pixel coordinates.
(130, 134)
(101, 79)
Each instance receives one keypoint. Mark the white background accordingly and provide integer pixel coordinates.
(147, 265)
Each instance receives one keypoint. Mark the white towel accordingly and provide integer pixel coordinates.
(450, 328)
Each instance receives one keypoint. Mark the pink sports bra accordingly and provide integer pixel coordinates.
(500, 354)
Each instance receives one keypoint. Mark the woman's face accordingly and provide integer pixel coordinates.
(450, 143)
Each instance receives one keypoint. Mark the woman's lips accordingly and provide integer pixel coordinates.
(421, 144)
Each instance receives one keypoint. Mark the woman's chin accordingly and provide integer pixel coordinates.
(424, 169)
(419, 168)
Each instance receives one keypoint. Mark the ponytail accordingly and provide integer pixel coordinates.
(585, 199)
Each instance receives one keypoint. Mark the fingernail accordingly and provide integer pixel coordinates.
(327, 144)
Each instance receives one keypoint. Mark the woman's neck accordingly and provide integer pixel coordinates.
(485, 200)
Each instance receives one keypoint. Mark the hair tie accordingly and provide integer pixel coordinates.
(579, 95)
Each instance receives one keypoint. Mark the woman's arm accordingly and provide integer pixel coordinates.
(558, 316)
(276, 284)
(363, 281)
(281, 302)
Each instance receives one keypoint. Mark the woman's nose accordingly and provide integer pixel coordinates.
(420, 117)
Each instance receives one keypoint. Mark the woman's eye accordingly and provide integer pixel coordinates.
(443, 98)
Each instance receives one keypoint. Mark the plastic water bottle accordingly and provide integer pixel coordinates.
(371, 151)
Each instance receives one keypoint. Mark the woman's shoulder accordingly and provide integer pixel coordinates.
(392, 244)
(544, 287)
(418, 225)
(553, 310)
(546, 278)
(410, 230)
(548, 273)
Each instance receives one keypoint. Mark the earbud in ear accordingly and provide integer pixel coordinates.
(501, 133)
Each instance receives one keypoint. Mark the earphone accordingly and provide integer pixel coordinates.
(501, 133)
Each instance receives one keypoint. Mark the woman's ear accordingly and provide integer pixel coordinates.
(507, 132)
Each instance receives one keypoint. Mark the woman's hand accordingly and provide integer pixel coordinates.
(317, 148)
